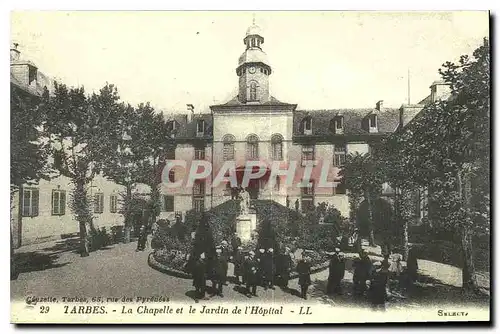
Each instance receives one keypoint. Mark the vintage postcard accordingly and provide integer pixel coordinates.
(250, 167)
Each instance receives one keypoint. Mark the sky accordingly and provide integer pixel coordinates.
(320, 60)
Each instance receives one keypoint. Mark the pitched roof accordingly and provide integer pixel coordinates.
(236, 102)
(388, 120)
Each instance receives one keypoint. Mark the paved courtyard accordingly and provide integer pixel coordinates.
(55, 269)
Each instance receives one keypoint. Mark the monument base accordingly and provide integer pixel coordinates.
(245, 226)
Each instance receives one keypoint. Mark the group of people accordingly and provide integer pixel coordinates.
(375, 279)
(263, 267)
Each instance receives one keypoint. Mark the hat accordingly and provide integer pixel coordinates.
(337, 250)
(202, 255)
(224, 242)
(218, 250)
(377, 264)
(270, 249)
(251, 253)
(239, 247)
(287, 249)
(261, 250)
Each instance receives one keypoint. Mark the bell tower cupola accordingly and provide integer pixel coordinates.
(253, 69)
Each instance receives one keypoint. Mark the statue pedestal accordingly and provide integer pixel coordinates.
(245, 225)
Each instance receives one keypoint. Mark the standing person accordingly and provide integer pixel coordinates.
(251, 277)
(199, 276)
(362, 269)
(268, 269)
(304, 271)
(219, 263)
(332, 267)
(394, 270)
(235, 243)
(260, 267)
(412, 266)
(225, 255)
(341, 272)
(141, 241)
(297, 205)
(377, 292)
(238, 262)
(283, 267)
(336, 274)
(287, 201)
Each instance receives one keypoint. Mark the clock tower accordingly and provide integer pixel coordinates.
(253, 69)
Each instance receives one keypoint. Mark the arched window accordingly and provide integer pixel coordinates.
(252, 147)
(253, 91)
(277, 147)
(228, 147)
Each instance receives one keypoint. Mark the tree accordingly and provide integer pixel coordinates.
(149, 142)
(447, 146)
(28, 148)
(361, 175)
(121, 165)
(81, 129)
(204, 239)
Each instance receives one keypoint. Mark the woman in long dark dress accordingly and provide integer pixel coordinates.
(377, 292)
(200, 276)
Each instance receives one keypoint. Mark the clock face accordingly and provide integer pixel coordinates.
(251, 70)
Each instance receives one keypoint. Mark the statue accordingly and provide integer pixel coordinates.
(244, 202)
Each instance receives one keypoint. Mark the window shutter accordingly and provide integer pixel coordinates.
(101, 203)
(54, 209)
(62, 202)
(34, 202)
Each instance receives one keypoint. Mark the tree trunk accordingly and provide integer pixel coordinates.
(13, 272)
(80, 206)
(128, 215)
(469, 281)
(403, 205)
(155, 200)
(370, 212)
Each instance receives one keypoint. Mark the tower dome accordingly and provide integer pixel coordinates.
(253, 30)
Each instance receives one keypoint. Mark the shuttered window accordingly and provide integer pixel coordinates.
(31, 198)
(99, 203)
(58, 202)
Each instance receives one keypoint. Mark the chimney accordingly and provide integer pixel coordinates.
(380, 105)
(190, 114)
(440, 90)
(14, 52)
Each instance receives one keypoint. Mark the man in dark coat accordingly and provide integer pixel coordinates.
(219, 265)
(225, 254)
(267, 263)
(251, 276)
(304, 271)
(362, 270)
(238, 262)
(283, 267)
(336, 273)
(259, 258)
(235, 243)
(199, 276)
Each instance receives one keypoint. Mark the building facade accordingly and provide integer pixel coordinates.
(252, 126)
